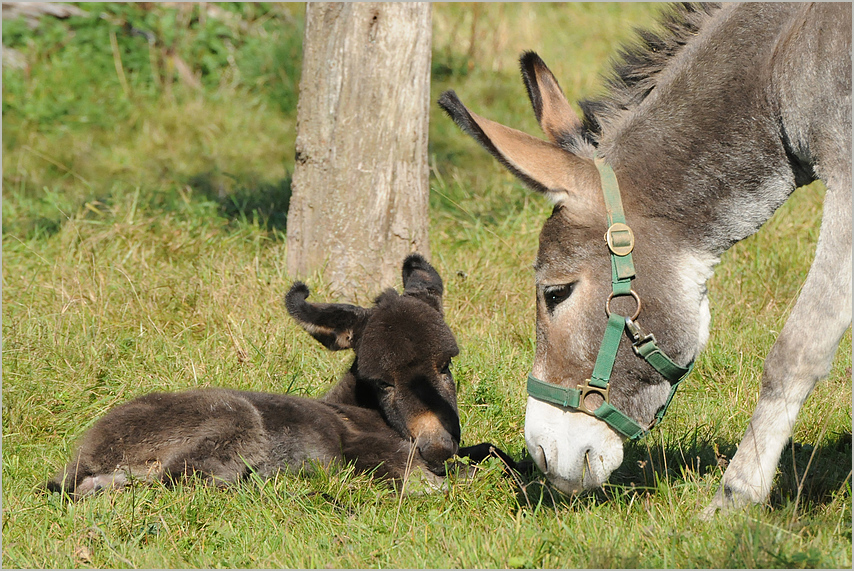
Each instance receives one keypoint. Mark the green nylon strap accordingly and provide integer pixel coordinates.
(622, 267)
(660, 414)
(608, 351)
(571, 398)
(619, 421)
(650, 352)
(561, 396)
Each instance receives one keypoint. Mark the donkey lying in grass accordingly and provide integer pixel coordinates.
(394, 411)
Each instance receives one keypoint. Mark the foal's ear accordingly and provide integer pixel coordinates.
(421, 280)
(335, 325)
(541, 165)
(557, 119)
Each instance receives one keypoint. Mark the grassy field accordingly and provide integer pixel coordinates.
(147, 156)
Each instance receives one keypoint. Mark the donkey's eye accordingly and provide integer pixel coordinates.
(557, 294)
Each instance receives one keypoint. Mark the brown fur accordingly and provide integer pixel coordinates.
(394, 411)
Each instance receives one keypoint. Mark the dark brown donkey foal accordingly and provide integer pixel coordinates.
(394, 411)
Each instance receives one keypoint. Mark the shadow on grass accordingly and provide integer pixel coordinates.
(819, 472)
(244, 197)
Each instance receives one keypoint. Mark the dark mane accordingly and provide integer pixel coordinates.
(637, 66)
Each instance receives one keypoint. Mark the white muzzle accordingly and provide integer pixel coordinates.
(575, 450)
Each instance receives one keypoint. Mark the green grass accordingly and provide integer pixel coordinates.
(143, 249)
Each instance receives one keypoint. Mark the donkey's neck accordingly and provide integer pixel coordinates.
(705, 150)
(353, 391)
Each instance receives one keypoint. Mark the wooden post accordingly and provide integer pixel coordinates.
(360, 189)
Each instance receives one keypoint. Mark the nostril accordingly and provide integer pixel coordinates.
(541, 459)
(436, 451)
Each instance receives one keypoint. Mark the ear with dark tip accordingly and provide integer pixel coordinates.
(543, 166)
(557, 119)
(335, 325)
(421, 280)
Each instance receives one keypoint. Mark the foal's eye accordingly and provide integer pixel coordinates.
(384, 385)
(557, 294)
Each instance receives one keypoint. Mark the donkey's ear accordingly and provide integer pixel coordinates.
(335, 325)
(421, 280)
(557, 119)
(541, 165)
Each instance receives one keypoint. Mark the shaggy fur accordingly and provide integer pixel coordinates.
(394, 411)
(636, 68)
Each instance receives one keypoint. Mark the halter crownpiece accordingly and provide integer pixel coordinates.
(621, 242)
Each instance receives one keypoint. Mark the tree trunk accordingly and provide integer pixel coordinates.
(360, 187)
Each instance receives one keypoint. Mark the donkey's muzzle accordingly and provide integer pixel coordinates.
(436, 449)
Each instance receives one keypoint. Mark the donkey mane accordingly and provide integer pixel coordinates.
(636, 68)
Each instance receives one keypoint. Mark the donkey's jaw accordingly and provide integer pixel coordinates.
(574, 450)
(695, 270)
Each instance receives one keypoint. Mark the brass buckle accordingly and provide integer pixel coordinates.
(624, 243)
(586, 389)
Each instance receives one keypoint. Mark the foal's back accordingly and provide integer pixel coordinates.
(219, 434)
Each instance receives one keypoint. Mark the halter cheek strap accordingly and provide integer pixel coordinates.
(621, 242)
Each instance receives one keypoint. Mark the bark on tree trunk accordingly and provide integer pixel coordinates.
(360, 187)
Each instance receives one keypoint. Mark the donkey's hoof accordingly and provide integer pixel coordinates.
(709, 513)
(727, 499)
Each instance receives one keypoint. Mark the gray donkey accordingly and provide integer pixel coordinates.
(394, 411)
(708, 127)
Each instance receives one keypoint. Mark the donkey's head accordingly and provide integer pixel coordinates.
(573, 274)
(403, 356)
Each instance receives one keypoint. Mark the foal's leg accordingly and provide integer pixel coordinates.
(480, 452)
(801, 356)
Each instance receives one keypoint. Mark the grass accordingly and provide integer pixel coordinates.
(143, 249)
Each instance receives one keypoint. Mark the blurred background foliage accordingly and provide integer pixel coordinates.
(199, 100)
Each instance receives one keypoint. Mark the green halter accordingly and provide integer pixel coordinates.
(621, 242)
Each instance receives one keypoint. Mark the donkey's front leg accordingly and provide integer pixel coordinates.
(801, 356)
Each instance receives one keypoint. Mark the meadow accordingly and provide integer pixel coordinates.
(147, 156)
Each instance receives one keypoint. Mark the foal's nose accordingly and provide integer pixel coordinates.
(435, 449)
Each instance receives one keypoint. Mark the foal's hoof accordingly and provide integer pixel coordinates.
(421, 482)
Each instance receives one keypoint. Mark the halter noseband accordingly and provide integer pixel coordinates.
(621, 242)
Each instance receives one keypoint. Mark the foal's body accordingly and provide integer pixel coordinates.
(221, 434)
(393, 412)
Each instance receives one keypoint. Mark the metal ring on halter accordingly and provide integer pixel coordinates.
(632, 293)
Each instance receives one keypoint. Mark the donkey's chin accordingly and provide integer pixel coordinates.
(574, 450)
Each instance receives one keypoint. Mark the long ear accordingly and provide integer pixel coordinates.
(557, 119)
(421, 280)
(335, 325)
(542, 166)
